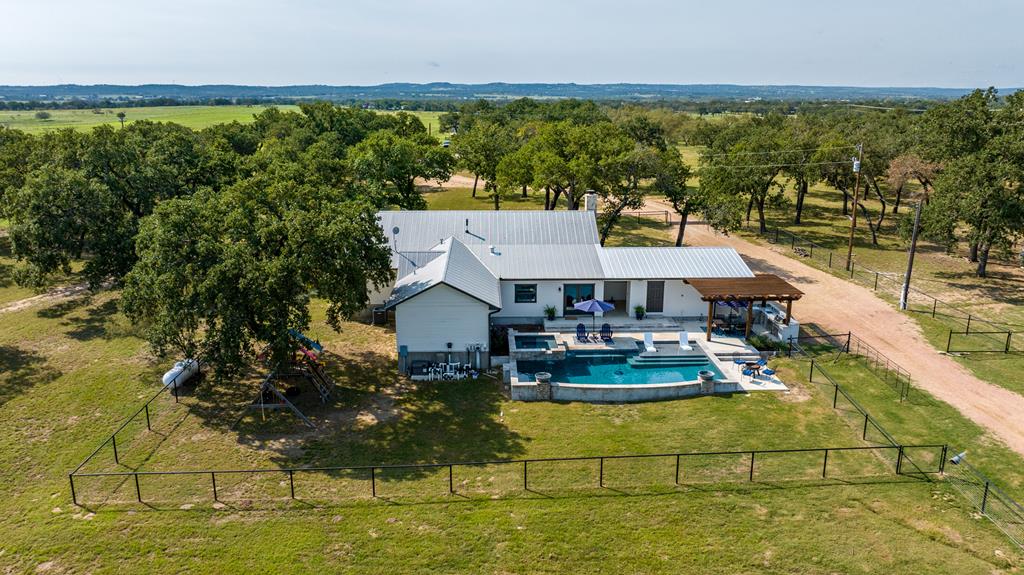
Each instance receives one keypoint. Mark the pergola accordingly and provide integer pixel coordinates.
(761, 287)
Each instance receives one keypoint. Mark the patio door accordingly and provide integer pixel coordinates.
(655, 297)
(575, 293)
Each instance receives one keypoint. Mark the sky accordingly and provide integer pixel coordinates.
(943, 43)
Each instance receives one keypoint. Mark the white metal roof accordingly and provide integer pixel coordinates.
(421, 230)
(541, 261)
(672, 263)
(455, 267)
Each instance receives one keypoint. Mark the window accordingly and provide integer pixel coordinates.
(526, 293)
(575, 293)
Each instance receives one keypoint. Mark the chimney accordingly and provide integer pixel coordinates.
(590, 201)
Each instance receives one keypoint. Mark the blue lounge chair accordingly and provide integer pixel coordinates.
(581, 333)
(768, 372)
(606, 332)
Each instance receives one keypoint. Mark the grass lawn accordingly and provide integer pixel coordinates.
(72, 370)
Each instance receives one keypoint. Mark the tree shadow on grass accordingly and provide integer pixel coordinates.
(374, 417)
(20, 370)
(94, 323)
(63, 308)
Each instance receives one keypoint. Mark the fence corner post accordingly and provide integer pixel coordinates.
(74, 496)
(899, 460)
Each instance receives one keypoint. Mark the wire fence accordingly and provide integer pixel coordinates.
(968, 333)
(499, 477)
(988, 499)
(880, 365)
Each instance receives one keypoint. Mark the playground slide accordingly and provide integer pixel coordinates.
(301, 338)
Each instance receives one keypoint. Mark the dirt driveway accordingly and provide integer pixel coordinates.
(840, 306)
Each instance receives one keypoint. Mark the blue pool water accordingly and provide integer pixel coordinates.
(614, 367)
(535, 342)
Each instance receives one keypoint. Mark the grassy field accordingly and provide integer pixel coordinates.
(73, 369)
(196, 117)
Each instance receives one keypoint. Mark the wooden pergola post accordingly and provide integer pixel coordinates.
(711, 317)
(750, 317)
(789, 310)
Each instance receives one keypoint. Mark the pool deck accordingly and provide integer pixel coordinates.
(721, 351)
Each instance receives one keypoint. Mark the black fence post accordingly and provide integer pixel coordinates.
(824, 465)
(74, 496)
(451, 480)
(851, 268)
(865, 436)
(835, 397)
(876, 281)
(942, 459)
(812, 252)
(213, 481)
(984, 499)
(113, 441)
(291, 482)
(830, 259)
(949, 340)
(600, 473)
(1009, 335)
(968, 331)
(810, 375)
(849, 338)
(677, 469)
(147, 418)
(776, 235)
(935, 303)
(138, 492)
(524, 476)
(373, 482)
(752, 465)
(899, 460)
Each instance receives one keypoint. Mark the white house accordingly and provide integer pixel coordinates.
(460, 272)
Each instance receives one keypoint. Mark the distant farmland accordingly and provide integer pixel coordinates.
(196, 117)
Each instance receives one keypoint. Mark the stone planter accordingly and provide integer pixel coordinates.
(707, 381)
(543, 385)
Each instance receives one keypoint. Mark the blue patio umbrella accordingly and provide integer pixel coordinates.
(594, 305)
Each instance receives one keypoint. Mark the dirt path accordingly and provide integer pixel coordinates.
(840, 306)
(52, 295)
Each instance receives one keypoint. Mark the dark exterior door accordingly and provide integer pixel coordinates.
(655, 296)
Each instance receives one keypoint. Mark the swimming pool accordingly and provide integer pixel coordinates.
(524, 342)
(617, 367)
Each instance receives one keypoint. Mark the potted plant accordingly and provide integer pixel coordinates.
(640, 311)
(550, 311)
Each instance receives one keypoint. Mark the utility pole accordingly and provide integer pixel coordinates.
(904, 295)
(856, 199)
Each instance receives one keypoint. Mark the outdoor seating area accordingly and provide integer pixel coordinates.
(603, 336)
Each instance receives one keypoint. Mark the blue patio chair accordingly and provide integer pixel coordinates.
(606, 332)
(768, 371)
(762, 361)
(740, 361)
(581, 333)
(748, 372)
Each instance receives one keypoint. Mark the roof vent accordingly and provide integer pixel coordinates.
(494, 251)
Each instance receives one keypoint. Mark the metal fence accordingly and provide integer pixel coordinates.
(992, 337)
(524, 475)
(988, 499)
(884, 368)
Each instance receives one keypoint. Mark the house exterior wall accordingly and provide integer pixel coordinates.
(681, 300)
(548, 293)
(427, 322)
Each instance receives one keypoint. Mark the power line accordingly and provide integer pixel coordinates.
(850, 147)
(779, 165)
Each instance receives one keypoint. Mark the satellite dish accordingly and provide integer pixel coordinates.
(394, 231)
